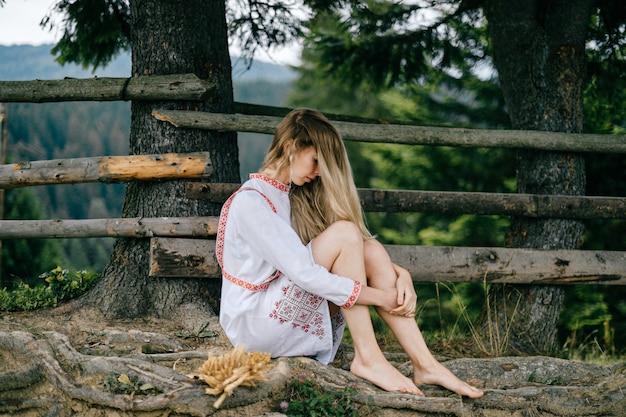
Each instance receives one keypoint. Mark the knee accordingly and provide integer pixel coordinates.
(347, 231)
(375, 252)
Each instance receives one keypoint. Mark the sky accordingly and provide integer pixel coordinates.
(19, 25)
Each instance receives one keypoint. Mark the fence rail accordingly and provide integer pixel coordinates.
(107, 169)
(408, 134)
(155, 87)
(195, 258)
(451, 202)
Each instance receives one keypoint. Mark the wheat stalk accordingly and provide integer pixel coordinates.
(226, 372)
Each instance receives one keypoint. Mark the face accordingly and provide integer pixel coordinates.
(304, 166)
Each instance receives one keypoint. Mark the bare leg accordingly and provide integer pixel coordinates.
(340, 249)
(426, 369)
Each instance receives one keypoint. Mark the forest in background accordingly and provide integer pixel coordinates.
(68, 130)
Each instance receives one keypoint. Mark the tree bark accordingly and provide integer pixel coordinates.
(539, 52)
(171, 38)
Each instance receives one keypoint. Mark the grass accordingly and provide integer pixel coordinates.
(308, 398)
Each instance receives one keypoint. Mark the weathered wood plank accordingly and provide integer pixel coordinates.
(153, 87)
(137, 227)
(190, 258)
(430, 263)
(511, 265)
(207, 191)
(407, 134)
(106, 169)
(448, 202)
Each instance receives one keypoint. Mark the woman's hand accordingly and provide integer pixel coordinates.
(406, 297)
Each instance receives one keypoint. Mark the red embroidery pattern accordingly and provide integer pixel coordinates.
(299, 307)
(356, 290)
(245, 284)
(271, 181)
(219, 244)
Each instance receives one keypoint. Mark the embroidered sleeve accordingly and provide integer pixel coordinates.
(353, 297)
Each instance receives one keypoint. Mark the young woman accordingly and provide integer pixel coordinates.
(291, 289)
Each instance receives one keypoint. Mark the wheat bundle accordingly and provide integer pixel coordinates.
(226, 372)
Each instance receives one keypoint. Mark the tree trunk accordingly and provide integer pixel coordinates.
(171, 38)
(539, 52)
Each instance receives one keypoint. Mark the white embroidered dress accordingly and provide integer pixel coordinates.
(273, 294)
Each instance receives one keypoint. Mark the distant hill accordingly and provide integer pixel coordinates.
(27, 62)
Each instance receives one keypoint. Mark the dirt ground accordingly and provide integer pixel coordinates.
(80, 326)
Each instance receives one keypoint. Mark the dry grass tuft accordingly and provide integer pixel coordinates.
(226, 372)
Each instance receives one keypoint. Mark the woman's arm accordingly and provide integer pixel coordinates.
(385, 299)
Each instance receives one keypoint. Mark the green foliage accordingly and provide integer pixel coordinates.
(253, 146)
(59, 285)
(65, 285)
(308, 399)
(390, 43)
(94, 31)
(127, 385)
(592, 323)
(26, 298)
(261, 24)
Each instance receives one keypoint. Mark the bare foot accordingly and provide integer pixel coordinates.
(384, 375)
(440, 375)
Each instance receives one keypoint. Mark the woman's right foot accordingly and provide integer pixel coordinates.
(440, 375)
(384, 375)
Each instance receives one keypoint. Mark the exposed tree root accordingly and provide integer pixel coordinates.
(76, 377)
(44, 375)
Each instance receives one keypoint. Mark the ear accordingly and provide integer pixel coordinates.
(288, 150)
(287, 147)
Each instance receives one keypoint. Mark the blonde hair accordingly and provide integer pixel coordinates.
(333, 195)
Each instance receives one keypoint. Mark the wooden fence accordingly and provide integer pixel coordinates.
(184, 247)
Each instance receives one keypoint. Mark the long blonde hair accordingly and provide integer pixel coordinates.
(333, 195)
